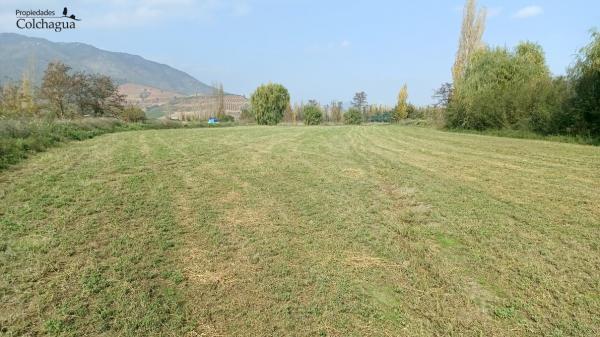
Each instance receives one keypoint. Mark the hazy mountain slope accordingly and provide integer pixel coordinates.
(19, 52)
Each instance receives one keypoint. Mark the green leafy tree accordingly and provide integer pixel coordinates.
(312, 115)
(96, 95)
(269, 103)
(353, 116)
(564, 118)
(64, 94)
(57, 88)
(504, 89)
(585, 76)
(413, 112)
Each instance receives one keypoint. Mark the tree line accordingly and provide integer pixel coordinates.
(66, 94)
(270, 104)
(491, 88)
(501, 88)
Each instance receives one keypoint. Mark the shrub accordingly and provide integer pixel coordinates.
(312, 115)
(413, 112)
(133, 114)
(353, 116)
(432, 114)
(269, 102)
(381, 117)
(225, 118)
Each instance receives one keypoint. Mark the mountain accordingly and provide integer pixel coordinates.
(19, 53)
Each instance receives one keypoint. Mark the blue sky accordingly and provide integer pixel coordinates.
(318, 49)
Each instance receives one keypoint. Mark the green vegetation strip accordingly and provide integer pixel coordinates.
(302, 231)
(21, 137)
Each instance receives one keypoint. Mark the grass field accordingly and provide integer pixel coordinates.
(302, 231)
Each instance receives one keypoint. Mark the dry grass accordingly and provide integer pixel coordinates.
(303, 231)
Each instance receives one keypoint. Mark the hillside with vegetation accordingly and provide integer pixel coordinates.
(145, 96)
(21, 55)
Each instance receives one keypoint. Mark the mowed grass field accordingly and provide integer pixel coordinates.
(302, 231)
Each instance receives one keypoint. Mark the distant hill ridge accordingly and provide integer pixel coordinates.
(19, 53)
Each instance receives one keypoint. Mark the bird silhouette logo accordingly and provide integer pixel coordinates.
(72, 16)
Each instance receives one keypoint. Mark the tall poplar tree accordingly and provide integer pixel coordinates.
(471, 33)
(401, 110)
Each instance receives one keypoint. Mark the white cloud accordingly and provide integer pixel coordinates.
(345, 44)
(528, 12)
